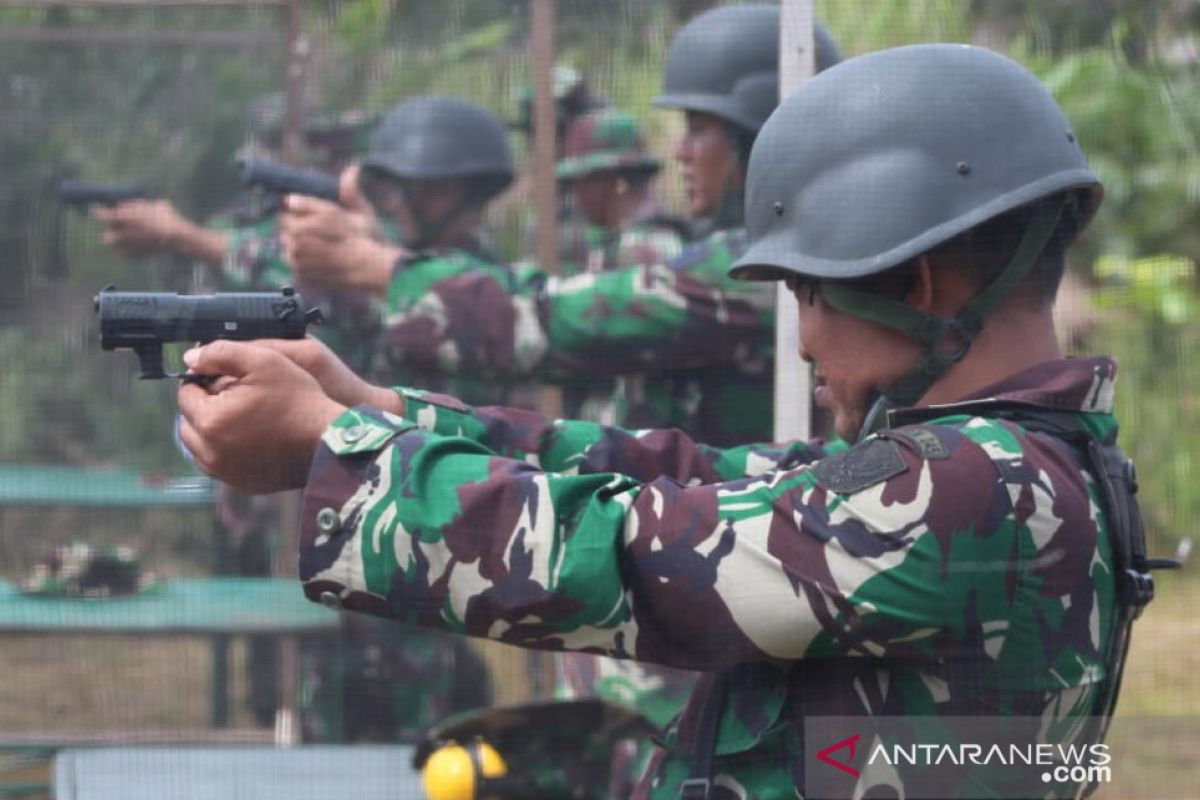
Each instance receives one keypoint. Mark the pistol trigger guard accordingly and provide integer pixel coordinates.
(192, 377)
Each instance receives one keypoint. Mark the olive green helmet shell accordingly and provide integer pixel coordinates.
(605, 140)
(725, 62)
(890, 154)
(432, 137)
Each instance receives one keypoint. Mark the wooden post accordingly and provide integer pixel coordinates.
(544, 134)
(297, 58)
(545, 201)
(793, 382)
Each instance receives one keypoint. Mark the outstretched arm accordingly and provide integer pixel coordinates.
(664, 317)
(438, 530)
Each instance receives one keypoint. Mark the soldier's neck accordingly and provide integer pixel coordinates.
(1012, 340)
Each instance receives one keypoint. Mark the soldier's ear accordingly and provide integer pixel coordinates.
(923, 292)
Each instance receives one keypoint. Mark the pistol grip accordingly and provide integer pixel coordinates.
(150, 357)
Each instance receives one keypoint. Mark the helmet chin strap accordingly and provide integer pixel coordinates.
(944, 342)
(876, 416)
(428, 230)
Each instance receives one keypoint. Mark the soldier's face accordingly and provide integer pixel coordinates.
(852, 358)
(595, 196)
(710, 163)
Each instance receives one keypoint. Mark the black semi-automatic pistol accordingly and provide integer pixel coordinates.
(145, 321)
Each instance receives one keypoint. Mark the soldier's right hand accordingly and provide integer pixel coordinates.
(142, 227)
(331, 247)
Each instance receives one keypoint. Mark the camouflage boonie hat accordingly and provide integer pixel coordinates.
(604, 140)
(89, 571)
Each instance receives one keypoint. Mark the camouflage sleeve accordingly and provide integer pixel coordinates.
(253, 258)
(663, 317)
(576, 446)
(847, 557)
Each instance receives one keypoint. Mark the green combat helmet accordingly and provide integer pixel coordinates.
(432, 137)
(725, 62)
(335, 139)
(436, 137)
(605, 140)
(957, 136)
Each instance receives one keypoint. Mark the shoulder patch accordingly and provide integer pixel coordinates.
(860, 467)
(925, 441)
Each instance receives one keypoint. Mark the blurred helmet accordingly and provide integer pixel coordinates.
(725, 62)
(605, 140)
(341, 136)
(455, 772)
(432, 137)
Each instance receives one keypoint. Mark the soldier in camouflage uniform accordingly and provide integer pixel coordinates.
(607, 170)
(573, 98)
(977, 552)
(648, 323)
(432, 166)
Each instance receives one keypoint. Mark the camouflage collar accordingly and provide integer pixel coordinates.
(1069, 384)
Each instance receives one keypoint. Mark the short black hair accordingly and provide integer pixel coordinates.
(986, 249)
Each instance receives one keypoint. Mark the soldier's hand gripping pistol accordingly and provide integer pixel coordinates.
(83, 194)
(145, 321)
(277, 179)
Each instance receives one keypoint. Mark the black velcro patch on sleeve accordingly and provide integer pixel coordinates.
(860, 467)
(925, 440)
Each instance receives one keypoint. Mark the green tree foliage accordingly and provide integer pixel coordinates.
(1150, 307)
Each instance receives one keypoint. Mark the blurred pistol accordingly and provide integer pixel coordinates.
(83, 194)
(280, 179)
(145, 321)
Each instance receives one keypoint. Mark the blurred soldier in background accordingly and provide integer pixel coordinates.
(573, 98)
(607, 171)
(432, 166)
(646, 324)
(622, 328)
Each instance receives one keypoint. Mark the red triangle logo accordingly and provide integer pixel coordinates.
(844, 766)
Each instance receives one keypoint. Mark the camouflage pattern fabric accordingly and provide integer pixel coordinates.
(650, 240)
(407, 326)
(693, 346)
(606, 139)
(960, 566)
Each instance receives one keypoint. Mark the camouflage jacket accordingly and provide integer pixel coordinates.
(407, 326)
(651, 238)
(692, 348)
(958, 566)
(254, 262)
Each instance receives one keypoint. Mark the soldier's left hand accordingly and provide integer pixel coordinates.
(258, 427)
